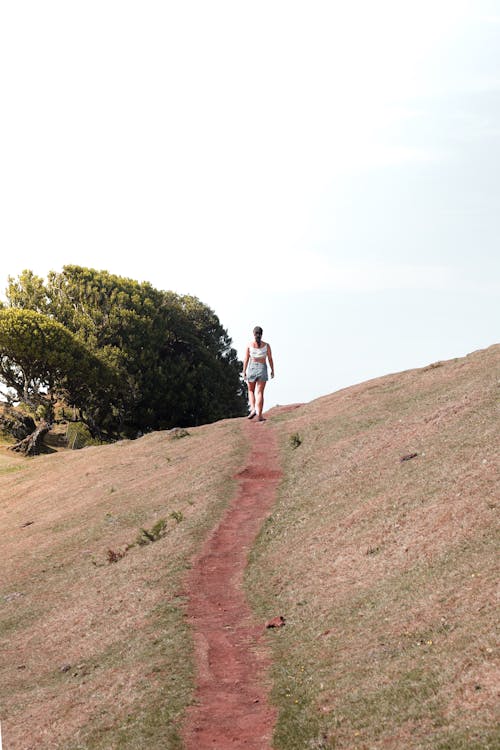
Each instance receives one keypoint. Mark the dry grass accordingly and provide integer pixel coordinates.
(98, 654)
(385, 569)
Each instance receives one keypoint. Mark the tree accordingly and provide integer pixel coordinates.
(219, 382)
(40, 360)
(27, 292)
(173, 358)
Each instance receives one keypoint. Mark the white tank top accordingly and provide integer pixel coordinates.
(256, 353)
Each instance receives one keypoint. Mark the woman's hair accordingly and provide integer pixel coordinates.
(257, 331)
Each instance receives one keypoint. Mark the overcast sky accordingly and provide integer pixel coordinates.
(327, 170)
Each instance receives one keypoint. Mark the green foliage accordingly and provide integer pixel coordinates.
(27, 292)
(156, 532)
(41, 360)
(79, 436)
(295, 440)
(171, 355)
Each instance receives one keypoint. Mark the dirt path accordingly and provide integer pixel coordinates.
(231, 708)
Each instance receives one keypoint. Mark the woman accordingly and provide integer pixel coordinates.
(255, 359)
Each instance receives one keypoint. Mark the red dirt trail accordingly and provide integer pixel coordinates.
(231, 708)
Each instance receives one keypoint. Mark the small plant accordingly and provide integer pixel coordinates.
(156, 532)
(177, 516)
(433, 366)
(114, 556)
(295, 440)
(178, 432)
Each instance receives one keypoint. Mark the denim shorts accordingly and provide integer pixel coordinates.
(257, 371)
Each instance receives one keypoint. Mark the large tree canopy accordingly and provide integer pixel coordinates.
(41, 360)
(174, 359)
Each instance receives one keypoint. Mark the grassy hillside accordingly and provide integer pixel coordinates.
(96, 654)
(384, 568)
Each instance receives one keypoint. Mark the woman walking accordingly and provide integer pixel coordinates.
(256, 356)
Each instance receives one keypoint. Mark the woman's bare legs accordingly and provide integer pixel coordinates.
(251, 396)
(259, 400)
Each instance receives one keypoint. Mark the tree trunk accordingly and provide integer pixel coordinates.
(14, 423)
(31, 445)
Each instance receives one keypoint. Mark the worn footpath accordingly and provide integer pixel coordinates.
(231, 709)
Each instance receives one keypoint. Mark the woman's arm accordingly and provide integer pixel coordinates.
(270, 358)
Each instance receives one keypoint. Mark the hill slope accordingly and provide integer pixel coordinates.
(384, 570)
(97, 654)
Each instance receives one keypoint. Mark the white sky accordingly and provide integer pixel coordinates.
(328, 170)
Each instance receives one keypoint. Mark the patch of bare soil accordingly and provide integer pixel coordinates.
(231, 708)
